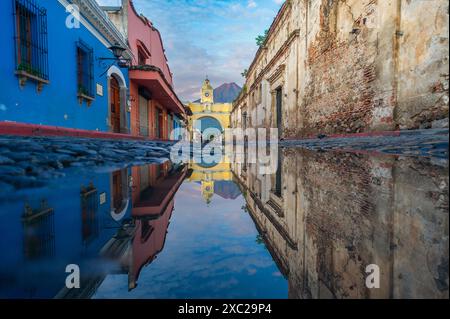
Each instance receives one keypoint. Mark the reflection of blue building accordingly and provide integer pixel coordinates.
(69, 222)
(53, 71)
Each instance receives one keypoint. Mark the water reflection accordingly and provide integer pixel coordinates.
(67, 222)
(215, 179)
(154, 189)
(212, 249)
(86, 219)
(38, 232)
(326, 216)
(223, 230)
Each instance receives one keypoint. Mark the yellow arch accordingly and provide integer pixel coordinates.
(208, 176)
(218, 111)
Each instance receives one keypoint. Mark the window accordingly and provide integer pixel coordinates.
(260, 93)
(31, 40)
(278, 180)
(244, 121)
(279, 108)
(146, 230)
(142, 58)
(143, 53)
(89, 219)
(39, 231)
(85, 70)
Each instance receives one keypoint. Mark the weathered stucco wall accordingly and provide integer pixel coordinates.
(351, 66)
(423, 63)
(342, 212)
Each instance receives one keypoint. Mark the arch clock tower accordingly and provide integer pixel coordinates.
(207, 93)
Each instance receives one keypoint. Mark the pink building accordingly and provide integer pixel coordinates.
(153, 195)
(154, 103)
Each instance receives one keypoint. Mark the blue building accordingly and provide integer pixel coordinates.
(58, 66)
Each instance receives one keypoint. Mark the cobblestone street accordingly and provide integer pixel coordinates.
(345, 194)
(429, 143)
(224, 150)
(30, 162)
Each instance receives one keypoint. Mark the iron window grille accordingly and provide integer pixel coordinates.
(85, 70)
(30, 35)
(89, 209)
(39, 231)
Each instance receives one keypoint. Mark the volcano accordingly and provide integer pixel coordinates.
(226, 93)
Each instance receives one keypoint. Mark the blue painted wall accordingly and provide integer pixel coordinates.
(57, 104)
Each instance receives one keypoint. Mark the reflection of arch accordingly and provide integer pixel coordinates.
(220, 172)
(117, 99)
(203, 164)
(119, 194)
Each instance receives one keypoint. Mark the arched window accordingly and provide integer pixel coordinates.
(143, 53)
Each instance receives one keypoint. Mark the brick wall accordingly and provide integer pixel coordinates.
(355, 66)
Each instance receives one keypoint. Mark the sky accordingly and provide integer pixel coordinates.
(207, 37)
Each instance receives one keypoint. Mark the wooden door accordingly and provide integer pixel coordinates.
(144, 177)
(117, 196)
(115, 105)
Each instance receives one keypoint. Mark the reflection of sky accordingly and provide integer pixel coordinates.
(210, 252)
(214, 37)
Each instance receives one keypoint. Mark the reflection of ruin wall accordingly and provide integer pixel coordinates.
(420, 230)
(346, 211)
(344, 201)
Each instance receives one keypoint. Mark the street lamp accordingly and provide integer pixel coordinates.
(117, 50)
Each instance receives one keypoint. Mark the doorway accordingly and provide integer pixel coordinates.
(115, 105)
(279, 106)
(143, 116)
(159, 121)
(117, 195)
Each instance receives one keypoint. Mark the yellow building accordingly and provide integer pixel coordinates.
(207, 176)
(208, 114)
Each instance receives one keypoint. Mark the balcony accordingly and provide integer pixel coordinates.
(154, 204)
(152, 78)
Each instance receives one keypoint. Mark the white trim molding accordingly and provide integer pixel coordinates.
(114, 70)
(98, 23)
(118, 216)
